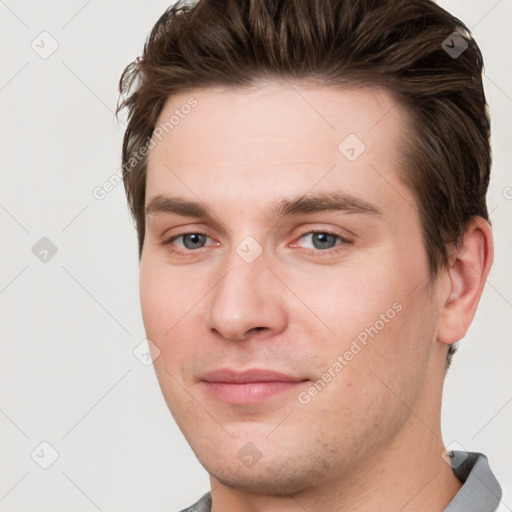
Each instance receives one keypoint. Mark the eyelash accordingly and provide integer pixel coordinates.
(316, 252)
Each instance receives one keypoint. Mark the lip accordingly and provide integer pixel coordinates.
(248, 386)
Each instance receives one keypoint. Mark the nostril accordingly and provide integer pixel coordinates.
(250, 330)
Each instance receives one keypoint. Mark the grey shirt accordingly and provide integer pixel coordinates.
(480, 491)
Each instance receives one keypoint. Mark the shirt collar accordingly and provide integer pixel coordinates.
(480, 491)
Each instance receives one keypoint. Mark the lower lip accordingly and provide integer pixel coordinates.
(249, 392)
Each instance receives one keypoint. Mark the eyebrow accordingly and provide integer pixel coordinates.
(304, 205)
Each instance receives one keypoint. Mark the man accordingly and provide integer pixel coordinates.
(308, 180)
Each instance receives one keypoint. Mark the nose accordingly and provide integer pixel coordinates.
(247, 300)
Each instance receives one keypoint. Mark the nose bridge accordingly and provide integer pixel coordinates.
(246, 297)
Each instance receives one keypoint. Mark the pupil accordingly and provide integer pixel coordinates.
(193, 240)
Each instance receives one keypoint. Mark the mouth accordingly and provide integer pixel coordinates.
(249, 386)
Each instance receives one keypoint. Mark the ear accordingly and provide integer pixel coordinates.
(469, 266)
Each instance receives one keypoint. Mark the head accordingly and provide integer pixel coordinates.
(267, 120)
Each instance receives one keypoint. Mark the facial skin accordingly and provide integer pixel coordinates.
(370, 437)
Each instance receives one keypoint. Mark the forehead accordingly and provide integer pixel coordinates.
(276, 138)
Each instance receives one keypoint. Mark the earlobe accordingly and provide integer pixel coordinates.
(469, 266)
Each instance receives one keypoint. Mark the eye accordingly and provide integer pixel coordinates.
(315, 242)
(322, 241)
(189, 241)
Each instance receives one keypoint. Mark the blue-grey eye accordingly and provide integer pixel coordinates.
(322, 240)
(193, 240)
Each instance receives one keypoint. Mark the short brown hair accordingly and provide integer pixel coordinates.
(412, 48)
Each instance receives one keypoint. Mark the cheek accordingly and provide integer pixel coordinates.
(163, 300)
(171, 305)
(153, 302)
(347, 300)
(166, 292)
(372, 319)
(394, 361)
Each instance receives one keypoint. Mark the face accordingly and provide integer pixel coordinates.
(284, 281)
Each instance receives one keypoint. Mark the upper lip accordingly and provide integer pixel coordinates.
(247, 376)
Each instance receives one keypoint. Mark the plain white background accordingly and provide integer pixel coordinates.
(69, 325)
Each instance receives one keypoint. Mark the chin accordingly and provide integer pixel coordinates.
(262, 484)
(273, 477)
